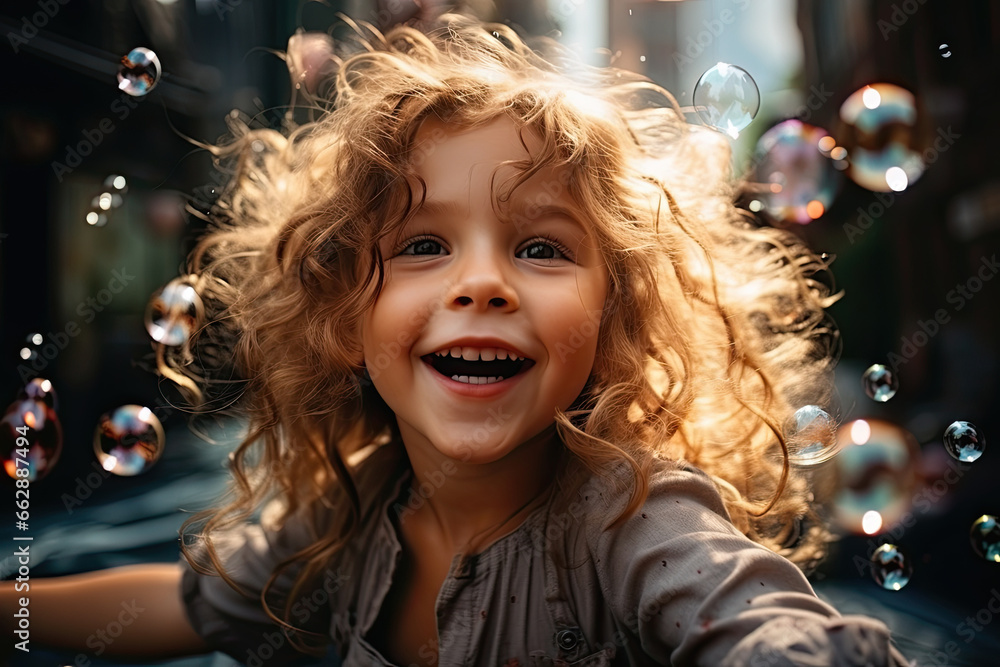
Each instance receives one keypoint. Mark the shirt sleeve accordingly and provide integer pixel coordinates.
(237, 624)
(693, 590)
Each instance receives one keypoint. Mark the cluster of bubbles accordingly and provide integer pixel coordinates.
(110, 198)
(139, 72)
(174, 311)
(31, 435)
(128, 440)
(33, 343)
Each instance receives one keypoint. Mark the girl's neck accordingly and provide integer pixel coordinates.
(470, 506)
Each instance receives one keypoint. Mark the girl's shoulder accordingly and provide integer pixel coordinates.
(681, 499)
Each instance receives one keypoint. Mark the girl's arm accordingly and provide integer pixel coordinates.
(133, 611)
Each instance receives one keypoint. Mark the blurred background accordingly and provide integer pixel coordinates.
(866, 127)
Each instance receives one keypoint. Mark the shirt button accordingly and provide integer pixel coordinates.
(568, 639)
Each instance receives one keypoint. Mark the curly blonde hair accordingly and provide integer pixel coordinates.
(713, 334)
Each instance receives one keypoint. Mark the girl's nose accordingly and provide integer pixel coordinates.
(481, 284)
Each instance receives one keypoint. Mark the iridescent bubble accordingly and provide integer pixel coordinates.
(726, 97)
(173, 312)
(890, 568)
(880, 383)
(985, 537)
(875, 471)
(801, 179)
(811, 436)
(879, 131)
(31, 438)
(40, 390)
(128, 440)
(964, 441)
(945, 51)
(139, 72)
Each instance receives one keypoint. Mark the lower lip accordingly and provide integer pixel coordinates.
(475, 390)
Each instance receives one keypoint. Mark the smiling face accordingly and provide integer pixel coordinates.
(463, 289)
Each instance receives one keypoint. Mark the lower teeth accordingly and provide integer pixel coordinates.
(475, 379)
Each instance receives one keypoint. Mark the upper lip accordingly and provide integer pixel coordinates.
(477, 341)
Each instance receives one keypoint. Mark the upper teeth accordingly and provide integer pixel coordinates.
(478, 353)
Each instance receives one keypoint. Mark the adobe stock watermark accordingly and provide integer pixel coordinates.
(944, 140)
(922, 502)
(898, 17)
(101, 639)
(959, 296)
(86, 309)
(968, 629)
(47, 10)
(92, 138)
(303, 609)
(711, 30)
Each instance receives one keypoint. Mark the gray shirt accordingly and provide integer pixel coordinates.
(676, 584)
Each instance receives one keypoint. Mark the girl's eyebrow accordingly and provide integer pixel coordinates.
(521, 210)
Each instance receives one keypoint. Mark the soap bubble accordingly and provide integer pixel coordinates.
(128, 440)
(139, 72)
(106, 201)
(30, 351)
(173, 312)
(800, 178)
(880, 383)
(985, 537)
(40, 390)
(880, 134)
(42, 438)
(874, 471)
(964, 441)
(96, 218)
(810, 435)
(726, 98)
(116, 183)
(945, 51)
(890, 568)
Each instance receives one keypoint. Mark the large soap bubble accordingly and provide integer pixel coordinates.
(726, 97)
(797, 176)
(880, 131)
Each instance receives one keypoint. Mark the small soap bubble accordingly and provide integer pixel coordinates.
(890, 568)
(35, 339)
(810, 436)
(139, 72)
(964, 441)
(880, 383)
(106, 201)
(945, 51)
(128, 440)
(38, 443)
(41, 390)
(726, 97)
(791, 156)
(96, 218)
(985, 537)
(880, 132)
(116, 183)
(173, 312)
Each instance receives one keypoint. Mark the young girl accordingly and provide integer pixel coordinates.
(516, 374)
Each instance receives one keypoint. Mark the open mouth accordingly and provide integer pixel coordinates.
(479, 371)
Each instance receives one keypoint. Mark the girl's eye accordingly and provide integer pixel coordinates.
(543, 249)
(422, 246)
